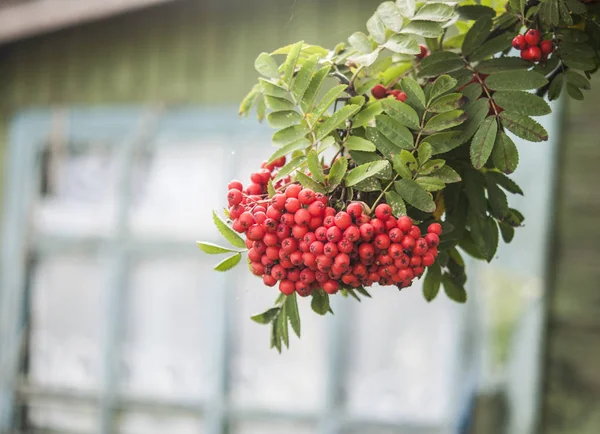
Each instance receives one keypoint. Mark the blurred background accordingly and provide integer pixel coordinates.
(118, 135)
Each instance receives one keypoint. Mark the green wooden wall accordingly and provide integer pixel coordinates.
(193, 52)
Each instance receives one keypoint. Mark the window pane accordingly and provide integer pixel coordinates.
(168, 326)
(58, 416)
(273, 428)
(157, 423)
(293, 380)
(67, 321)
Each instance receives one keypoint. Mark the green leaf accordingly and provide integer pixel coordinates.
(476, 35)
(213, 249)
(267, 316)
(522, 102)
(314, 166)
(281, 323)
(272, 89)
(427, 29)
(313, 87)
(403, 44)
(229, 234)
(364, 171)
(394, 200)
(446, 174)
(485, 235)
(574, 92)
(298, 145)
(415, 195)
(391, 16)
(523, 127)
(507, 232)
(290, 134)
(355, 143)
(516, 80)
(501, 64)
(475, 192)
(328, 99)
(289, 66)
(505, 182)
(308, 182)
(337, 172)
(483, 142)
(304, 76)
(492, 47)
(361, 290)
(228, 263)
(514, 218)
(291, 309)
(448, 103)
(279, 104)
(361, 42)
(320, 302)
(367, 114)
(402, 113)
(276, 336)
(307, 50)
(474, 12)
(368, 185)
(430, 183)
(577, 79)
(270, 189)
(266, 65)
(497, 199)
(401, 167)
(283, 119)
(444, 142)
(336, 120)
(454, 292)
(433, 279)
(505, 155)
(576, 62)
(556, 87)
(440, 62)
(248, 101)
(443, 121)
(437, 12)
(414, 91)
(376, 28)
(424, 152)
(396, 133)
(290, 167)
(431, 165)
(441, 85)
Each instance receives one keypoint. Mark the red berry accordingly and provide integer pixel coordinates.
(298, 231)
(329, 221)
(292, 205)
(396, 251)
(390, 224)
(293, 190)
(278, 272)
(287, 287)
(535, 54)
(265, 176)
(345, 246)
(546, 46)
(270, 239)
(395, 235)
(293, 274)
(280, 162)
(283, 231)
(321, 233)
(236, 211)
(334, 234)
(322, 198)
(316, 209)
(420, 247)
(272, 253)
(254, 189)
(269, 280)
(342, 220)
(354, 209)
(255, 232)
(532, 37)
(342, 260)
(289, 245)
(526, 55)
(254, 255)
(415, 261)
(324, 262)
(404, 224)
(330, 249)
(352, 233)
(309, 259)
(378, 226)
(402, 262)
(424, 52)
(287, 219)
(306, 196)
(235, 184)
(321, 277)
(366, 231)
(307, 276)
(519, 42)
(408, 242)
(315, 223)
(274, 214)
(302, 217)
(246, 220)
(260, 217)
(316, 248)
(402, 97)
(296, 257)
(331, 287)
(415, 232)
(383, 211)
(278, 201)
(435, 228)
(382, 241)
(379, 91)
(366, 251)
(428, 259)
(432, 240)
(234, 197)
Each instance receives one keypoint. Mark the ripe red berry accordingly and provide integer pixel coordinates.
(254, 189)
(402, 97)
(415, 232)
(424, 52)
(235, 184)
(379, 91)
(274, 214)
(366, 231)
(292, 205)
(246, 220)
(519, 42)
(303, 289)
(546, 46)
(390, 224)
(316, 208)
(342, 220)
(321, 277)
(234, 197)
(278, 201)
(331, 287)
(293, 274)
(342, 260)
(283, 231)
(260, 217)
(396, 251)
(420, 247)
(435, 228)
(408, 242)
(287, 287)
(378, 226)
(526, 55)
(324, 262)
(402, 262)
(278, 272)
(354, 209)
(269, 280)
(287, 219)
(309, 259)
(532, 37)
(296, 257)
(345, 246)
(330, 249)
(415, 261)
(316, 248)
(289, 245)
(395, 235)
(404, 224)
(306, 196)
(334, 234)
(428, 259)
(255, 232)
(298, 231)
(432, 240)
(314, 223)
(382, 241)
(280, 162)
(302, 217)
(329, 221)
(535, 54)
(366, 251)
(383, 211)
(321, 233)
(265, 176)
(352, 233)
(236, 211)
(293, 190)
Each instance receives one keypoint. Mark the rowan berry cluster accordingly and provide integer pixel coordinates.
(379, 91)
(532, 47)
(299, 242)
